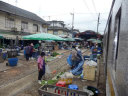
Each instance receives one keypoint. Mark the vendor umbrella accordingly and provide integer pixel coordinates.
(1, 37)
(69, 39)
(43, 36)
(97, 41)
(91, 40)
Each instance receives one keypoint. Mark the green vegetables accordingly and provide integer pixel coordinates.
(58, 76)
(53, 81)
(49, 82)
(54, 54)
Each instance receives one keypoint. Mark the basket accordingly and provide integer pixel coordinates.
(50, 90)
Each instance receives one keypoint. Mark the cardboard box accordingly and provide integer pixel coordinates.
(89, 72)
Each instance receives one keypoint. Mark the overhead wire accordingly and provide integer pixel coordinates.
(88, 8)
(86, 4)
(94, 6)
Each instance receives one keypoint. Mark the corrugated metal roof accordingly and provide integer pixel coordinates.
(20, 12)
(8, 36)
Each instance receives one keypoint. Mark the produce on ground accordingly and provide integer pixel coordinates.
(54, 54)
(53, 81)
(48, 82)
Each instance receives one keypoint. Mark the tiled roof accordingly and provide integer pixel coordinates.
(5, 7)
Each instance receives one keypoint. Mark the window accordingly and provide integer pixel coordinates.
(9, 23)
(55, 32)
(35, 28)
(24, 25)
(65, 33)
(116, 38)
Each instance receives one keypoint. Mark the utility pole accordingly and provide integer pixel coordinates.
(49, 17)
(98, 23)
(72, 21)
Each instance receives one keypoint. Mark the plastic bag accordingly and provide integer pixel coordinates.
(91, 63)
(48, 69)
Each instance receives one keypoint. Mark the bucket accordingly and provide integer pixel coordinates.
(13, 61)
(74, 87)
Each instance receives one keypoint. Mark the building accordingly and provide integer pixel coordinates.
(15, 21)
(59, 28)
(116, 49)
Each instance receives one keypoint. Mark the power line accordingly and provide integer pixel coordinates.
(94, 5)
(87, 7)
(86, 4)
(74, 13)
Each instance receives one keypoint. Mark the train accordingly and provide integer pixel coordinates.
(115, 55)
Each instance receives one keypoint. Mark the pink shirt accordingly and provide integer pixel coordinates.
(40, 62)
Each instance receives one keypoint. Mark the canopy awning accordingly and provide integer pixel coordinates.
(8, 36)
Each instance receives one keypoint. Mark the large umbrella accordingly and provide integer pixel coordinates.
(43, 36)
(91, 40)
(69, 39)
(97, 41)
(1, 37)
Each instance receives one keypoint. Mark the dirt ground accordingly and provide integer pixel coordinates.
(59, 64)
(33, 90)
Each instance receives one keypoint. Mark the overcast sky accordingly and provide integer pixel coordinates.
(85, 11)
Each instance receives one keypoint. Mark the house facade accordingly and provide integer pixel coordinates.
(18, 22)
(58, 28)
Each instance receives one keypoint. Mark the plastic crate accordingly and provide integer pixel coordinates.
(49, 90)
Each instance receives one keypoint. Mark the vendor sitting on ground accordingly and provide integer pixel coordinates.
(76, 62)
(74, 58)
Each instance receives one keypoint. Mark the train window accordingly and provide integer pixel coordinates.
(116, 37)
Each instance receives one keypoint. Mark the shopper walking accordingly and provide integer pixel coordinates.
(27, 52)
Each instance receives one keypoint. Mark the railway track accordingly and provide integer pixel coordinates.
(17, 85)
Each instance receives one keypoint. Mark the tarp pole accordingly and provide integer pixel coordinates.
(3, 42)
